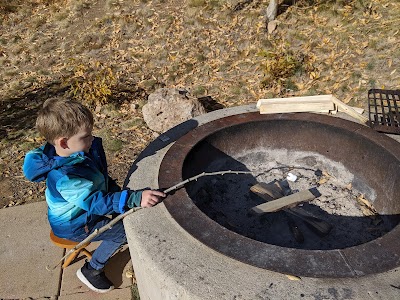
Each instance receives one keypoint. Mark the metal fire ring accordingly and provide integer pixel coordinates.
(379, 255)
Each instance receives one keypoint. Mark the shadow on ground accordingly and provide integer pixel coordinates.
(115, 267)
(19, 113)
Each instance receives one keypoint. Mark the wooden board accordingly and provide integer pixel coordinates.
(266, 191)
(321, 103)
(316, 104)
(286, 202)
(349, 110)
(359, 110)
(273, 191)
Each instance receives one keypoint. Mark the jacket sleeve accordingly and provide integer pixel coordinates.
(81, 192)
(134, 199)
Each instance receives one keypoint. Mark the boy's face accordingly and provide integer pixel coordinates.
(82, 141)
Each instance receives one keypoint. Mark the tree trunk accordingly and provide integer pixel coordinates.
(272, 10)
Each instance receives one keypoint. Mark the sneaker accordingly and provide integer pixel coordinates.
(96, 280)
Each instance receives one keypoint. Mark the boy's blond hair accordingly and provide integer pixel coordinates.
(62, 118)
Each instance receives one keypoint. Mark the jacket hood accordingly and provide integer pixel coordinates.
(39, 162)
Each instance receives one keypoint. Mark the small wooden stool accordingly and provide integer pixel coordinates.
(67, 244)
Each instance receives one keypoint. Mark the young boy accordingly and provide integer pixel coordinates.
(79, 191)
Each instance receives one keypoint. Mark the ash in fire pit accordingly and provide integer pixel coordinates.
(227, 199)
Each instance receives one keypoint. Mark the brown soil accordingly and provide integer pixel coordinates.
(121, 51)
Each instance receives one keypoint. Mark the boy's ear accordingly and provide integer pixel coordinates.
(62, 142)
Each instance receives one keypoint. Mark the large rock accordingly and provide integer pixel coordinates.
(169, 107)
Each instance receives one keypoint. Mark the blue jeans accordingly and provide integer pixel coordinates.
(112, 238)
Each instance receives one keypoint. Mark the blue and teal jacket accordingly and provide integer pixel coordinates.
(79, 191)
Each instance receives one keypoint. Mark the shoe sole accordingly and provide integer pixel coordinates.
(89, 285)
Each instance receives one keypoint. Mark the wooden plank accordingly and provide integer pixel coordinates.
(349, 110)
(273, 191)
(267, 191)
(291, 107)
(321, 227)
(263, 190)
(321, 103)
(322, 98)
(287, 201)
(357, 109)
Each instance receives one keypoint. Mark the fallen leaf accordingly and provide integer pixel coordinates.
(292, 277)
(313, 75)
(336, 85)
(347, 100)
(345, 78)
(366, 212)
(366, 206)
(323, 180)
(325, 173)
(130, 274)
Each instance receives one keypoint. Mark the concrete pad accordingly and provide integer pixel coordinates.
(72, 288)
(116, 294)
(25, 251)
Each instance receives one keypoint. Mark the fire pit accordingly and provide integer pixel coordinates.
(344, 160)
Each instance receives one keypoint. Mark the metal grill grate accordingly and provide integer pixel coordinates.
(384, 110)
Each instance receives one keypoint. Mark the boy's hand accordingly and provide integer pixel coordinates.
(151, 198)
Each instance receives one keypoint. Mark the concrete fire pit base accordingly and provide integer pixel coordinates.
(170, 264)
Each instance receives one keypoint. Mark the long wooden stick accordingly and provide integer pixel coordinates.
(94, 234)
(182, 183)
(132, 210)
(168, 190)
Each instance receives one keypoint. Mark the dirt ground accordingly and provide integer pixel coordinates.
(112, 54)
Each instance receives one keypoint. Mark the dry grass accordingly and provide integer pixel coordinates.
(203, 45)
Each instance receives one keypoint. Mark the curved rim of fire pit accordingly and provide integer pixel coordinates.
(379, 255)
